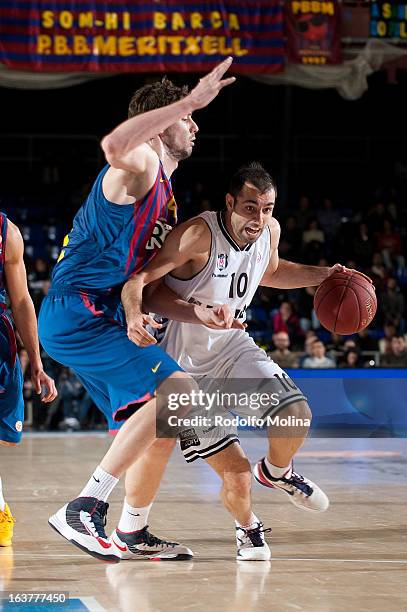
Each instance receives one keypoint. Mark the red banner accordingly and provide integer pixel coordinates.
(148, 36)
(313, 35)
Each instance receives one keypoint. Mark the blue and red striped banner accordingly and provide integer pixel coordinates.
(133, 36)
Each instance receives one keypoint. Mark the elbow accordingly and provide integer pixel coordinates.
(112, 150)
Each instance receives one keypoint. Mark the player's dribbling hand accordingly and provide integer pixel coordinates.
(136, 329)
(220, 317)
(210, 85)
(39, 379)
(340, 268)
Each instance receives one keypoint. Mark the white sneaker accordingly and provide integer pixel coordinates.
(251, 545)
(303, 493)
(142, 544)
(82, 522)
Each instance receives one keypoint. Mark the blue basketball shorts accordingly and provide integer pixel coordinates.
(89, 335)
(11, 385)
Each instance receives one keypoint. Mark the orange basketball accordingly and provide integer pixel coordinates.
(345, 303)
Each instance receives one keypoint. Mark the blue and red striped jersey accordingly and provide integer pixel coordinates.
(110, 242)
(3, 238)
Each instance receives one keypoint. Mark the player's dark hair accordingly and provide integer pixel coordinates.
(155, 95)
(252, 173)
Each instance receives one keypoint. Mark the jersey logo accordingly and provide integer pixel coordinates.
(161, 230)
(222, 261)
(155, 368)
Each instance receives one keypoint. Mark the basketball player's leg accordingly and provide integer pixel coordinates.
(11, 415)
(132, 538)
(220, 448)
(292, 411)
(123, 375)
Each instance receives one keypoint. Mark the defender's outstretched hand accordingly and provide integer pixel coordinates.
(210, 85)
(136, 329)
(219, 317)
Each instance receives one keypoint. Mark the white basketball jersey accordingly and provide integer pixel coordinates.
(231, 276)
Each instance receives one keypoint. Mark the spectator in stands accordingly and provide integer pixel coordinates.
(397, 356)
(328, 218)
(303, 212)
(366, 342)
(76, 401)
(282, 354)
(392, 304)
(318, 357)
(290, 242)
(38, 281)
(313, 243)
(389, 333)
(389, 244)
(313, 233)
(351, 359)
(376, 216)
(305, 306)
(378, 272)
(287, 320)
(309, 341)
(362, 246)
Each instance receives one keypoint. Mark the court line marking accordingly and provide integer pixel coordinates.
(199, 560)
(402, 561)
(350, 453)
(92, 604)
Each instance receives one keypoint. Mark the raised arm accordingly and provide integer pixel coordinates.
(124, 147)
(23, 310)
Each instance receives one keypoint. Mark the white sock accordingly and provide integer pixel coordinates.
(2, 500)
(100, 485)
(252, 523)
(133, 519)
(278, 472)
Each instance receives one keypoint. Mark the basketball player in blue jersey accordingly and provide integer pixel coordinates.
(221, 258)
(82, 325)
(13, 279)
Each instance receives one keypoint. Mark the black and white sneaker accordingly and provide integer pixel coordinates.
(82, 522)
(251, 545)
(303, 493)
(142, 544)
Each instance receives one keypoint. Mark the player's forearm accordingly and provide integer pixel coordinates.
(290, 275)
(163, 301)
(139, 129)
(26, 324)
(132, 296)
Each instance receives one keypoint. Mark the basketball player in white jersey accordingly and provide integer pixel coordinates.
(221, 258)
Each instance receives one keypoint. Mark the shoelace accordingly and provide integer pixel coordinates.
(254, 535)
(298, 481)
(5, 518)
(99, 518)
(151, 540)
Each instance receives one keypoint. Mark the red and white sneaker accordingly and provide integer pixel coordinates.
(82, 522)
(303, 493)
(142, 544)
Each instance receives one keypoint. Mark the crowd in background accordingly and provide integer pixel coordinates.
(283, 322)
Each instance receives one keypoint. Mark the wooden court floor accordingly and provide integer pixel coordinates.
(353, 557)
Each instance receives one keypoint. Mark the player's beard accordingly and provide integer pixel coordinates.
(176, 151)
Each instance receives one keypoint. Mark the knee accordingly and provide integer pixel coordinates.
(162, 446)
(237, 483)
(297, 410)
(177, 393)
(4, 443)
